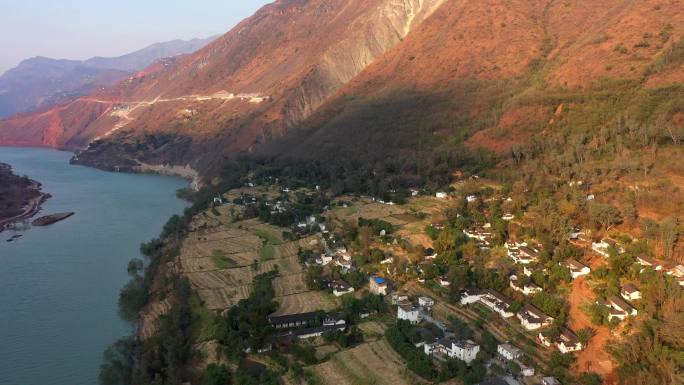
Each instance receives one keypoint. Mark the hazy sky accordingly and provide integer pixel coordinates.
(79, 29)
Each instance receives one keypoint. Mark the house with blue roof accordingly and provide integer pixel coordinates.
(379, 285)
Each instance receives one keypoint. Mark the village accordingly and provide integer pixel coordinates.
(456, 277)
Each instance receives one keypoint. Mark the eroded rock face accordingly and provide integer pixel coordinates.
(387, 24)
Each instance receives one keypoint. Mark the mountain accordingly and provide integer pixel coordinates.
(406, 86)
(267, 73)
(40, 82)
(140, 59)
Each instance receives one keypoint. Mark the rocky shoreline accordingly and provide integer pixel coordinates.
(21, 197)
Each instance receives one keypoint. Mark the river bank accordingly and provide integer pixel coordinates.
(20, 197)
(61, 283)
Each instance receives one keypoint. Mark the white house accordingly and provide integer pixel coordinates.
(568, 342)
(619, 308)
(526, 370)
(341, 288)
(550, 381)
(479, 233)
(605, 245)
(471, 295)
(426, 302)
(508, 217)
(408, 312)
(527, 255)
(441, 195)
(576, 268)
(444, 281)
(532, 318)
(647, 261)
(471, 198)
(378, 285)
(630, 292)
(324, 259)
(463, 350)
(498, 303)
(521, 253)
(509, 352)
(526, 289)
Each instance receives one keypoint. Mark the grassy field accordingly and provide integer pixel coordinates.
(266, 252)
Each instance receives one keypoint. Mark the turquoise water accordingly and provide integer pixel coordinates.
(59, 284)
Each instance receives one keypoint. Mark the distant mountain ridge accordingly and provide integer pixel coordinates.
(41, 82)
(383, 83)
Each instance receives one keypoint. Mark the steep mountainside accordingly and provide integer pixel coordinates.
(268, 73)
(496, 74)
(41, 82)
(386, 83)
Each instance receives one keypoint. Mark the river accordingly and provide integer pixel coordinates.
(59, 284)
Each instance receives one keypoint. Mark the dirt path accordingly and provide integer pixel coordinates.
(594, 358)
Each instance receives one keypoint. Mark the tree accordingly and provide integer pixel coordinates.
(604, 215)
(590, 378)
(446, 242)
(621, 263)
(216, 375)
(629, 211)
(584, 335)
(460, 328)
(669, 234)
(132, 298)
(118, 363)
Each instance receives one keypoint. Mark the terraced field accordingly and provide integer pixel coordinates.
(369, 363)
(305, 302)
(370, 210)
(221, 259)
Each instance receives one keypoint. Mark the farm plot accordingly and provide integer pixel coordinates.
(370, 363)
(285, 285)
(221, 264)
(373, 329)
(271, 234)
(370, 211)
(225, 298)
(304, 302)
(235, 245)
(290, 249)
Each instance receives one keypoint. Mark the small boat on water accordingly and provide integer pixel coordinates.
(14, 237)
(51, 219)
